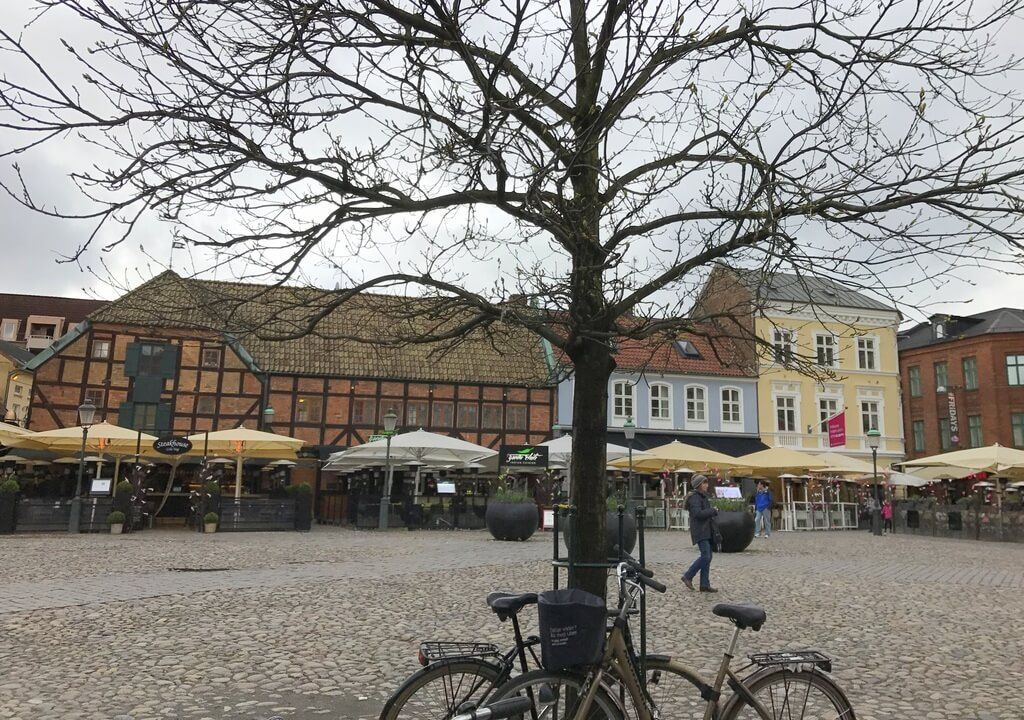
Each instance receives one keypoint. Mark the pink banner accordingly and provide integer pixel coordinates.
(837, 430)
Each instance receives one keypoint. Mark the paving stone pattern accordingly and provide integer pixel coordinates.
(325, 624)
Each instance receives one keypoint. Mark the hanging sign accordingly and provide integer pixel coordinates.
(837, 430)
(954, 425)
(172, 446)
(523, 456)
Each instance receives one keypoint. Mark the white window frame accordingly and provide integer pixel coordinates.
(786, 334)
(99, 342)
(630, 396)
(835, 350)
(655, 420)
(694, 423)
(796, 412)
(880, 411)
(732, 425)
(838, 400)
(9, 322)
(876, 357)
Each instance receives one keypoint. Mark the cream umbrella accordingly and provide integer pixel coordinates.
(99, 438)
(10, 432)
(242, 443)
(781, 459)
(991, 458)
(839, 464)
(673, 455)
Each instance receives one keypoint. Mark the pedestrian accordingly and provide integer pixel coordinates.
(886, 516)
(703, 532)
(762, 510)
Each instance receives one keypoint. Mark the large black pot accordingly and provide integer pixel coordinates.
(511, 521)
(611, 533)
(737, 528)
(8, 503)
(303, 512)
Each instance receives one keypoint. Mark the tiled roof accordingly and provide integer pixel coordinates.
(802, 289)
(18, 353)
(956, 327)
(20, 307)
(259, 316)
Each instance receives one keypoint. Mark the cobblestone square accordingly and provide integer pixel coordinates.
(324, 624)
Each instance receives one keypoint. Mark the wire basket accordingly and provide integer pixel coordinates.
(793, 657)
(434, 650)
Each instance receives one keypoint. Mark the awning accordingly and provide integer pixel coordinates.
(726, 444)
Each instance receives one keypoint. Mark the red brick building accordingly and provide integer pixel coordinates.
(963, 381)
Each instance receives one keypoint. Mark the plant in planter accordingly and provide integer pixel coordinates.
(511, 515)
(735, 523)
(9, 490)
(210, 522)
(116, 522)
(303, 495)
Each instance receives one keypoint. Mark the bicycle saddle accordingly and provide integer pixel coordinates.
(742, 616)
(506, 604)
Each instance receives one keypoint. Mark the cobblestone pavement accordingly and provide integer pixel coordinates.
(324, 624)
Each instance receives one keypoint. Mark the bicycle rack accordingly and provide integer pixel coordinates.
(569, 562)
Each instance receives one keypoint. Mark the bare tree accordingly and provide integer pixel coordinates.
(607, 154)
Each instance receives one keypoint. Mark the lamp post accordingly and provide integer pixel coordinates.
(629, 430)
(86, 414)
(390, 421)
(876, 517)
(268, 416)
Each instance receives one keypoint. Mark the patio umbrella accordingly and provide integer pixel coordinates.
(780, 458)
(419, 445)
(673, 455)
(8, 432)
(895, 478)
(840, 464)
(992, 458)
(100, 438)
(242, 443)
(938, 472)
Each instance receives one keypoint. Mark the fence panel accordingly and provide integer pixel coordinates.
(246, 514)
(42, 515)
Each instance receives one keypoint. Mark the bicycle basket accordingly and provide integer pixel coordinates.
(572, 628)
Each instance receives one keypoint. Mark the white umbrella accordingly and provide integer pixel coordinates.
(419, 445)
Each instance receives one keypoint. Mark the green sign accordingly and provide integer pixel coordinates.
(383, 435)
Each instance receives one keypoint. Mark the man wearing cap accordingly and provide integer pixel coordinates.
(702, 532)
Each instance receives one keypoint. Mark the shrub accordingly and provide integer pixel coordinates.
(502, 495)
(116, 518)
(613, 503)
(124, 488)
(9, 487)
(213, 487)
(729, 504)
(299, 489)
(211, 517)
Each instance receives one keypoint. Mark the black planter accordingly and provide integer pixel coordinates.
(737, 528)
(611, 533)
(8, 503)
(303, 513)
(511, 521)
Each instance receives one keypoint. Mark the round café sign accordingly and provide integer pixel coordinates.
(172, 446)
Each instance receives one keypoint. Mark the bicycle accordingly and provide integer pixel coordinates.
(780, 687)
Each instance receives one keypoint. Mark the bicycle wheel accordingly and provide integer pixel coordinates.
(789, 695)
(674, 689)
(440, 689)
(565, 695)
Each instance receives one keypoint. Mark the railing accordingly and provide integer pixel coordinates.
(43, 515)
(247, 514)
(819, 516)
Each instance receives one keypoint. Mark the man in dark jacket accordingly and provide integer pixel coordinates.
(702, 533)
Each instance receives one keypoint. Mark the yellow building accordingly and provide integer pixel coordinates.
(822, 349)
(15, 383)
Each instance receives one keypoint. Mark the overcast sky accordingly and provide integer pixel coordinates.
(33, 244)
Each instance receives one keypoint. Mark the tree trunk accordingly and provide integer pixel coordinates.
(593, 366)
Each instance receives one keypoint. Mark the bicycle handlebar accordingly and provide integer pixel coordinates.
(645, 576)
(498, 710)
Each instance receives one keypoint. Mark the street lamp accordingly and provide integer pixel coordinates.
(86, 414)
(876, 517)
(629, 430)
(268, 416)
(390, 421)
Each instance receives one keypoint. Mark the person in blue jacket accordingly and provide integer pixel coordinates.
(762, 510)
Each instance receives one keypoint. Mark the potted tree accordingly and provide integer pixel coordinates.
(511, 515)
(9, 490)
(735, 523)
(302, 493)
(116, 521)
(210, 522)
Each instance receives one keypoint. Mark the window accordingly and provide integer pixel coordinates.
(1017, 425)
(469, 415)
(826, 349)
(940, 331)
(211, 357)
(622, 400)
(827, 408)
(918, 428)
(731, 406)
(941, 377)
(443, 414)
(149, 359)
(145, 416)
(206, 405)
(687, 349)
(660, 403)
(17, 389)
(869, 419)
(101, 349)
(364, 411)
(9, 330)
(970, 367)
(307, 409)
(696, 407)
(93, 396)
(416, 414)
(914, 375)
(945, 441)
(491, 416)
(785, 414)
(515, 417)
(783, 341)
(1015, 369)
(866, 352)
(974, 431)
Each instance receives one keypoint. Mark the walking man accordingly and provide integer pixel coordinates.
(763, 510)
(702, 533)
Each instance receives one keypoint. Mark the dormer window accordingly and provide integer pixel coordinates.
(940, 330)
(687, 349)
